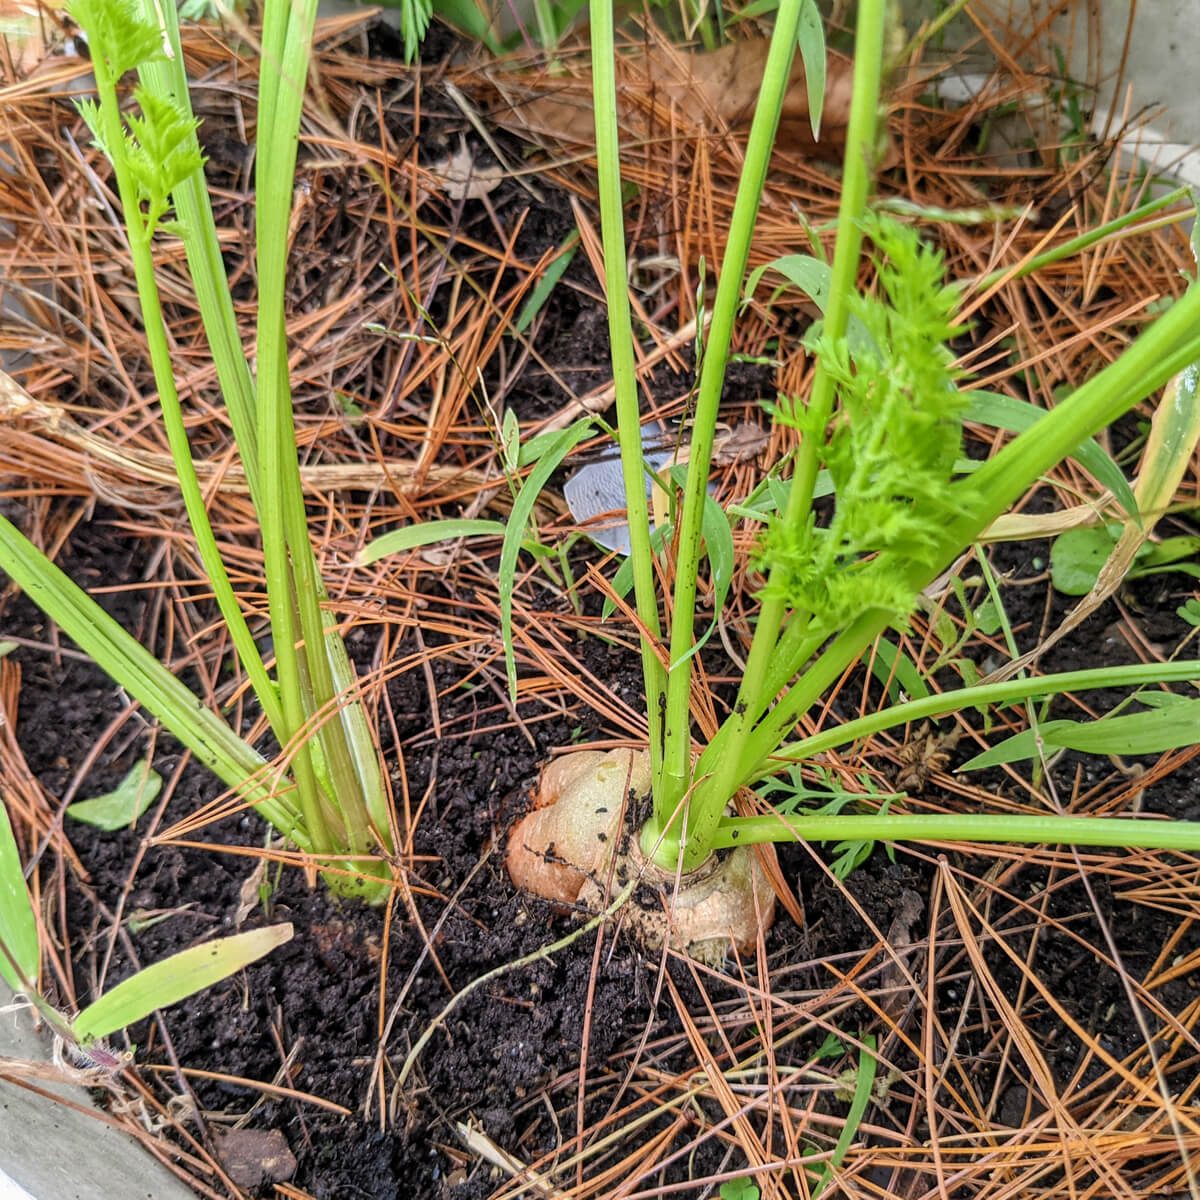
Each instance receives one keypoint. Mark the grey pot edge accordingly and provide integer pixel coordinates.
(51, 1151)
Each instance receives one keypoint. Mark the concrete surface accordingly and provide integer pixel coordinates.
(51, 1152)
(1159, 77)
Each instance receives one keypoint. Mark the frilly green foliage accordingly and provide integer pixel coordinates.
(890, 448)
(415, 16)
(118, 38)
(162, 150)
(157, 144)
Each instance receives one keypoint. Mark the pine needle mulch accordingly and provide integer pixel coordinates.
(406, 306)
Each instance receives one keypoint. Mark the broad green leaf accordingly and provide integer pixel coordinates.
(987, 618)
(718, 546)
(1077, 556)
(558, 449)
(536, 446)
(718, 549)
(739, 1189)
(1137, 733)
(809, 274)
(173, 979)
(119, 808)
(1014, 749)
(622, 581)
(1170, 551)
(1161, 699)
(18, 925)
(1164, 727)
(1015, 416)
(425, 534)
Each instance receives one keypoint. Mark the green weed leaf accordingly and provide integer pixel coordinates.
(426, 534)
(859, 1083)
(622, 581)
(739, 1189)
(896, 671)
(120, 808)
(811, 275)
(556, 450)
(810, 36)
(1077, 556)
(1166, 727)
(1015, 416)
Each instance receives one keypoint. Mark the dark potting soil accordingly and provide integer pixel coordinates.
(315, 1001)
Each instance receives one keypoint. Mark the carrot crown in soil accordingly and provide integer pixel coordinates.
(883, 420)
(329, 799)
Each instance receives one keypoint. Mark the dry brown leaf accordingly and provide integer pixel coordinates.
(663, 88)
(462, 178)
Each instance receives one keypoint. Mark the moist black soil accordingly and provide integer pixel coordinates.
(315, 1002)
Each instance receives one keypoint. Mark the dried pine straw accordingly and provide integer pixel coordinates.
(402, 304)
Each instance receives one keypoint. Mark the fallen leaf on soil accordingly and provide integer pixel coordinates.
(744, 444)
(250, 893)
(665, 90)
(462, 178)
(900, 939)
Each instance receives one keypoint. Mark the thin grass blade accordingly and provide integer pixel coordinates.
(426, 534)
(18, 925)
(173, 979)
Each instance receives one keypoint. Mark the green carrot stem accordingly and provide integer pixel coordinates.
(675, 780)
(139, 232)
(712, 792)
(620, 326)
(287, 32)
(1007, 692)
(1146, 833)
